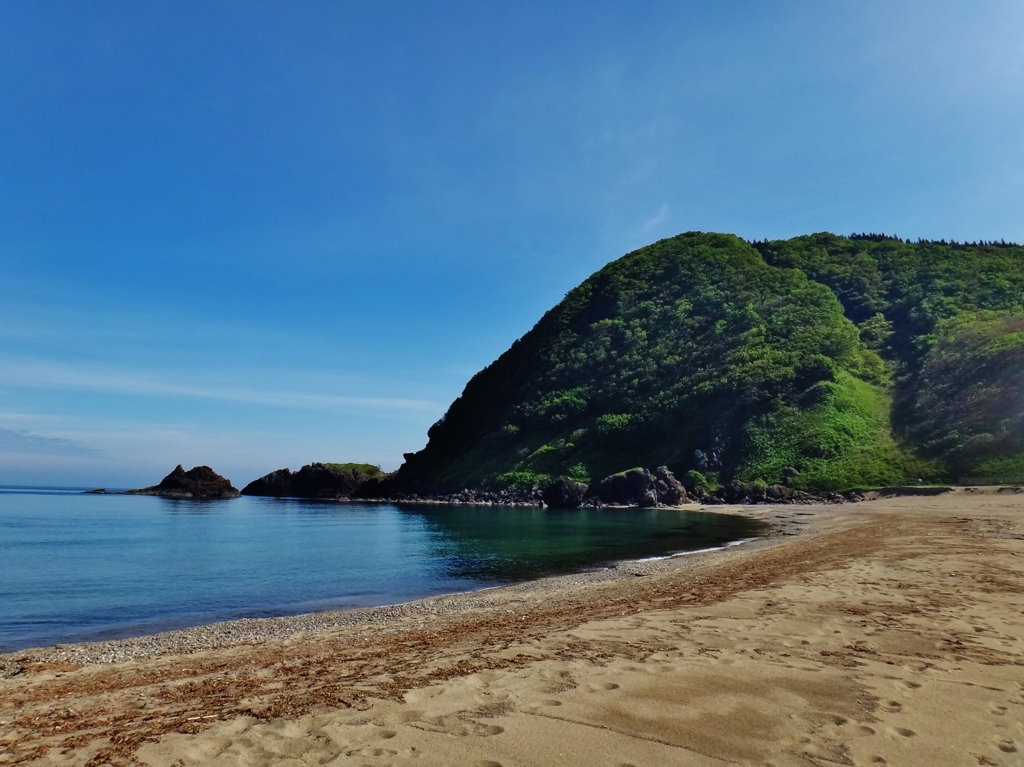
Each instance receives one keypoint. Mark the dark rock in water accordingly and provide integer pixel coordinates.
(275, 484)
(316, 480)
(320, 480)
(564, 493)
(670, 490)
(200, 482)
(97, 491)
(629, 488)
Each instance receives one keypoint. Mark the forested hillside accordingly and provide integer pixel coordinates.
(858, 361)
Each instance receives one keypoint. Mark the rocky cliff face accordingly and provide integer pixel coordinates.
(200, 482)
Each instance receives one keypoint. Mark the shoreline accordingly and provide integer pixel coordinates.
(846, 636)
(779, 518)
(250, 631)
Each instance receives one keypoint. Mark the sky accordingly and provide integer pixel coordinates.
(259, 234)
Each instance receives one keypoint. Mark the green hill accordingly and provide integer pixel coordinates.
(859, 361)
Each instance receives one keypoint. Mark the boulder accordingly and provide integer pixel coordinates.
(670, 491)
(199, 482)
(733, 492)
(564, 493)
(629, 488)
(743, 492)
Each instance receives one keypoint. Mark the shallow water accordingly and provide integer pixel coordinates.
(79, 567)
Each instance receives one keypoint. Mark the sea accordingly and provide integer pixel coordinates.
(82, 567)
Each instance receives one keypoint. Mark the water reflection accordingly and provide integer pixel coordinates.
(517, 543)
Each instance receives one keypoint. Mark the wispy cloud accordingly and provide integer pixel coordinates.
(46, 375)
(655, 220)
(18, 441)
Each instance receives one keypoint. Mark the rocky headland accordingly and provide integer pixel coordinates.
(777, 371)
(327, 481)
(201, 482)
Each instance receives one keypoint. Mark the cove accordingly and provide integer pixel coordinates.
(86, 567)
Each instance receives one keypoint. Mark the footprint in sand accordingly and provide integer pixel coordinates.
(487, 763)
(908, 685)
(903, 732)
(372, 752)
(472, 729)
(386, 734)
(603, 687)
(998, 710)
(1006, 745)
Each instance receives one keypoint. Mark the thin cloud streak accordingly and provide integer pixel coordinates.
(655, 220)
(55, 376)
(20, 442)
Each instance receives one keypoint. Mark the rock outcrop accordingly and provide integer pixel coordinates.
(315, 480)
(564, 493)
(669, 489)
(276, 484)
(634, 487)
(200, 482)
(638, 487)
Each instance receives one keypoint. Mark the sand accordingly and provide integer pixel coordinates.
(883, 632)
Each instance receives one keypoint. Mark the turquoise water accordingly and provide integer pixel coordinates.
(79, 567)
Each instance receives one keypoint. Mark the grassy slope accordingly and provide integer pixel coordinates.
(843, 443)
(368, 470)
(948, 320)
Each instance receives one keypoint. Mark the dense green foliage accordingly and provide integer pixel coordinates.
(365, 470)
(966, 404)
(947, 318)
(726, 359)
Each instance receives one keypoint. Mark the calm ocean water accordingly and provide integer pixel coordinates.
(79, 567)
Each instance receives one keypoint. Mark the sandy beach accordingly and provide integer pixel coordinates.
(884, 632)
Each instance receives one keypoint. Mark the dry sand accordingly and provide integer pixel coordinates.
(885, 632)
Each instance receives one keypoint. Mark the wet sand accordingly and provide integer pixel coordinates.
(883, 632)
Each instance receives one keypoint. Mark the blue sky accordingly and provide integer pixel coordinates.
(254, 235)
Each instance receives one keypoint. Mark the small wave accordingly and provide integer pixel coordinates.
(697, 551)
